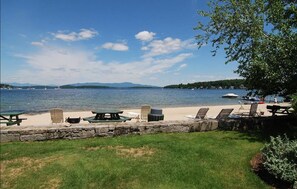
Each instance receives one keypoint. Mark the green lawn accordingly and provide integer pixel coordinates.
(184, 160)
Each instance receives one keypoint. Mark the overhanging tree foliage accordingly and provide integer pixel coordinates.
(258, 34)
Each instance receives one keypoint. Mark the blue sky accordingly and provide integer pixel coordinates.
(140, 41)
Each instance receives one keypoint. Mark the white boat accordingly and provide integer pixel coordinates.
(250, 98)
(230, 95)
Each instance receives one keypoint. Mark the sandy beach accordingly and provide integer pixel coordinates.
(170, 114)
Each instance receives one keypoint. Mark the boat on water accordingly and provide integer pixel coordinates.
(230, 95)
(250, 98)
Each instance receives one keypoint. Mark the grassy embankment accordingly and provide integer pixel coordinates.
(185, 160)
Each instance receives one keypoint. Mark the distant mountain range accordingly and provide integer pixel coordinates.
(83, 85)
(21, 84)
(112, 85)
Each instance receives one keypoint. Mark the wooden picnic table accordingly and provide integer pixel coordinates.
(11, 117)
(106, 115)
(277, 109)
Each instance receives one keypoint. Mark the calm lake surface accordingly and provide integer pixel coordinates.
(90, 99)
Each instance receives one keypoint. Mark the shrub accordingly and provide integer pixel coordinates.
(280, 159)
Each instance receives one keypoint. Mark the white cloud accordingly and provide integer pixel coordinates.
(65, 37)
(166, 46)
(87, 34)
(41, 43)
(74, 36)
(183, 66)
(145, 36)
(115, 46)
(63, 65)
(37, 43)
(163, 64)
(66, 65)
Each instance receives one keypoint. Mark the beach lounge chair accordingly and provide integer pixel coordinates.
(134, 115)
(201, 114)
(224, 113)
(241, 106)
(56, 115)
(252, 112)
(145, 110)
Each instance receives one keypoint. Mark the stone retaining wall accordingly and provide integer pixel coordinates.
(263, 127)
(259, 123)
(20, 133)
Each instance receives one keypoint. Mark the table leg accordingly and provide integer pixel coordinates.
(286, 110)
(99, 116)
(17, 120)
(114, 116)
(4, 118)
(10, 118)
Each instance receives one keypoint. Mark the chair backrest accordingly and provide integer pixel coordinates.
(56, 115)
(224, 113)
(241, 106)
(253, 110)
(201, 113)
(145, 110)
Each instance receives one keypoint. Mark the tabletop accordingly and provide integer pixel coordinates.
(107, 111)
(11, 113)
(285, 107)
(277, 107)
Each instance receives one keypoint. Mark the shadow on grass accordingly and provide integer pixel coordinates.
(260, 130)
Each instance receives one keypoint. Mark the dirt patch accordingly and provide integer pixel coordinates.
(257, 162)
(10, 170)
(134, 152)
(93, 148)
(52, 183)
(257, 166)
(129, 184)
(126, 151)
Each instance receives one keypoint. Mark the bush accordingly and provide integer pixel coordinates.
(280, 159)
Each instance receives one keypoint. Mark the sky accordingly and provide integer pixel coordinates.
(149, 42)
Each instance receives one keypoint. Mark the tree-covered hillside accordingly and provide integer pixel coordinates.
(5, 86)
(224, 84)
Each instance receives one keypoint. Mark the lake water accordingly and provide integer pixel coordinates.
(90, 99)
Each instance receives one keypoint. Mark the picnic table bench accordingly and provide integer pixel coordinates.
(276, 109)
(106, 115)
(11, 117)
